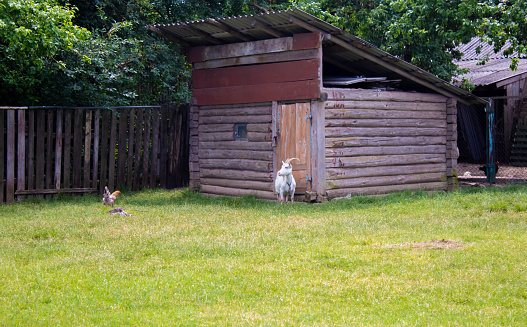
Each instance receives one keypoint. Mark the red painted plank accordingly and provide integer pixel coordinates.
(301, 90)
(256, 74)
(196, 54)
(306, 41)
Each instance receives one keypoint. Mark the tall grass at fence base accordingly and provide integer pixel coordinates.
(186, 259)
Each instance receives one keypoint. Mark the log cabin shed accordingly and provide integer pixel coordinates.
(286, 84)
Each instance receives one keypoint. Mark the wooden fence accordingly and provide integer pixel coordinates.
(49, 150)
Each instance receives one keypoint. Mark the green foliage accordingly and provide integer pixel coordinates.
(427, 32)
(92, 52)
(32, 34)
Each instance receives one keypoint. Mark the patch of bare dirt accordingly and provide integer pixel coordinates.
(430, 245)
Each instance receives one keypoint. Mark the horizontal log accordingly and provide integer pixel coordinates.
(229, 136)
(236, 183)
(386, 180)
(237, 145)
(385, 189)
(308, 89)
(254, 119)
(236, 174)
(258, 137)
(55, 191)
(409, 159)
(407, 107)
(260, 128)
(344, 173)
(286, 56)
(383, 141)
(384, 122)
(339, 94)
(255, 74)
(237, 164)
(227, 191)
(373, 132)
(230, 111)
(216, 153)
(384, 150)
(219, 136)
(251, 128)
(213, 128)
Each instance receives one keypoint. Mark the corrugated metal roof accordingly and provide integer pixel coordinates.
(496, 67)
(367, 60)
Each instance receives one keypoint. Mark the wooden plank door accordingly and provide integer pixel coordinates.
(293, 141)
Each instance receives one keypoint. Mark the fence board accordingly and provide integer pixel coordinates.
(138, 145)
(2, 155)
(155, 147)
(87, 148)
(58, 149)
(39, 164)
(95, 167)
(30, 150)
(130, 156)
(10, 166)
(66, 174)
(146, 151)
(111, 152)
(121, 152)
(163, 146)
(105, 133)
(21, 150)
(77, 149)
(49, 148)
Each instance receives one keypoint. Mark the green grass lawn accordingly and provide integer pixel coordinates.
(184, 259)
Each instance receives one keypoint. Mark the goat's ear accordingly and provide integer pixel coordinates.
(283, 163)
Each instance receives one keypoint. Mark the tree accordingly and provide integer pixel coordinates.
(427, 32)
(32, 34)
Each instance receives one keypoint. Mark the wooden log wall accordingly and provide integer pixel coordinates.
(222, 165)
(76, 150)
(381, 141)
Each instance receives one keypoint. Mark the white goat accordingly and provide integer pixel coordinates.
(285, 184)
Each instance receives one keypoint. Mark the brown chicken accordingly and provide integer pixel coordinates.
(109, 199)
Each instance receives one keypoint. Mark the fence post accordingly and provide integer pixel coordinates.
(490, 165)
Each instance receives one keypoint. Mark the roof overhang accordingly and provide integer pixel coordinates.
(353, 52)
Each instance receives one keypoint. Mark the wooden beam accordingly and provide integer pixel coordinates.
(168, 36)
(259, 59)
(266, 28)
(204, 35)
(512, 80)
(242, 49)
(54, 191)
(377, 60)
(224, 27)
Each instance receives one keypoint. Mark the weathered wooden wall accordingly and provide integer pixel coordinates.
(222, 165)
(280, 69)
(379, 141)
(75, 150)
